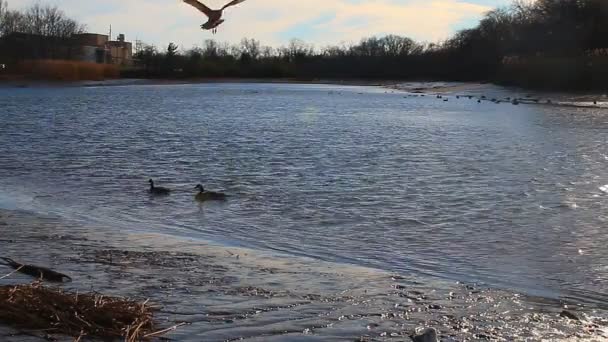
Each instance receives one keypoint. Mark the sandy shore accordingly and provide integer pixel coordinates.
(501, 94)
(228, 294)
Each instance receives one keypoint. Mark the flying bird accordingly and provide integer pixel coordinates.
(215, 16)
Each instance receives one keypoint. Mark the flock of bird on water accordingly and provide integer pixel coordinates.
(202, 195)
(527, 100)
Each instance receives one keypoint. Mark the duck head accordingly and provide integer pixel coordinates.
(199, 187)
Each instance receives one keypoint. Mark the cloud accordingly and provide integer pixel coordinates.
(273, 22)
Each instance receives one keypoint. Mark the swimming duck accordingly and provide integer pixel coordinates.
(203, 195)
(157, 190)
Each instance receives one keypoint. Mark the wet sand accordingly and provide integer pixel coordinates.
(228, 294)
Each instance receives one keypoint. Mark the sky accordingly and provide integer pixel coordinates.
(275, 22)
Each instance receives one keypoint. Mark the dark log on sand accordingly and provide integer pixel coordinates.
(41, 273)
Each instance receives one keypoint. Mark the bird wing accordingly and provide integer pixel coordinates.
(198, 5)
(232, 3)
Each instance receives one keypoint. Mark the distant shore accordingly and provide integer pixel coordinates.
(484, 91)
(23, 82)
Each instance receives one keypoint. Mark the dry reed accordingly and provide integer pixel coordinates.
(64, 70)
(35, 307)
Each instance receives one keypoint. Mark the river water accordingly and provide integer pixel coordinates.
(510, 196)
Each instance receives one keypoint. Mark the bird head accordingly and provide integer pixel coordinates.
(199, 187)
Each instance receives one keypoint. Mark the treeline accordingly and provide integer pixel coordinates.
(37, 32)
(542, 43)
(545, 43)
(43, 20)
(297, 59)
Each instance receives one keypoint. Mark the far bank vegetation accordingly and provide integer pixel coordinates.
(543, 43)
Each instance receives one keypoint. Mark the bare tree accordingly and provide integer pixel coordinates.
(50, 21)
(210, 49)
(395, 46)
(224, 50)
(297, 50)
(251, 47)
(10, 21)
(3, 10)
(268, 52)
(44, 20)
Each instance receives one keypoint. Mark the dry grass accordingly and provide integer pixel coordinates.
(60, 70)
(35, 307)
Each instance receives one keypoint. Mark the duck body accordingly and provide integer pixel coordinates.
(157, 190)
(203, 195)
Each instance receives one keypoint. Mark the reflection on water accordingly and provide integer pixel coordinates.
(501, 194)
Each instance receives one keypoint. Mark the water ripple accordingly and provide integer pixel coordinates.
(501, 194)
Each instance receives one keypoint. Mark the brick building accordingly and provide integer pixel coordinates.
(87, 47)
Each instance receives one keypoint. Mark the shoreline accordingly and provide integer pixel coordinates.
(483, 91)
(146, 81)
(228, 293)
(421, 86)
